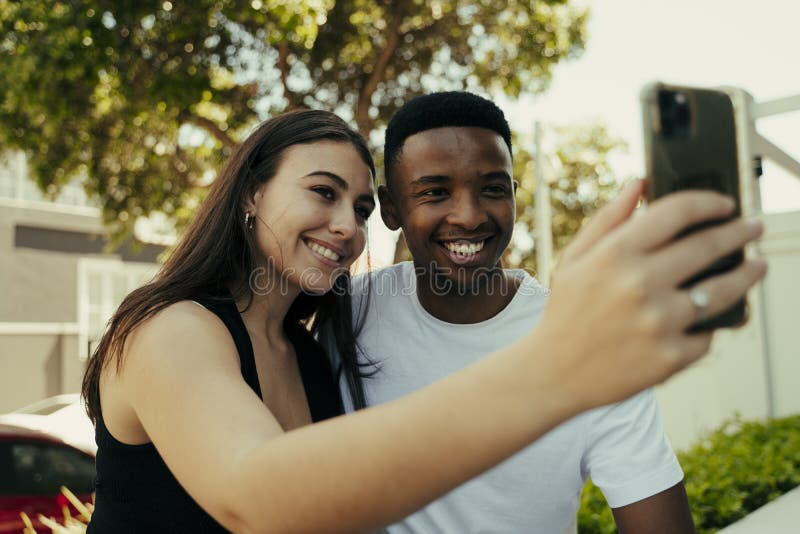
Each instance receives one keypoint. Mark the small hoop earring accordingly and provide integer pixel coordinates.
(249, 220)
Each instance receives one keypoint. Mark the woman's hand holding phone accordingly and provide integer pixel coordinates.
(618, 319)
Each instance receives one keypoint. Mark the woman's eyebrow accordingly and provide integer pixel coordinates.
(341, 182)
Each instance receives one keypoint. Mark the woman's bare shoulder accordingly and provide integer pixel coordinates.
(182, 340)
(182, 330)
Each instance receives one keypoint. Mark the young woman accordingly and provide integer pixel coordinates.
(204, 387)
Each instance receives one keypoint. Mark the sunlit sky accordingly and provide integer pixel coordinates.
(752, 44)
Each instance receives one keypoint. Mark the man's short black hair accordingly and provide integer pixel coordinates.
(437, 110)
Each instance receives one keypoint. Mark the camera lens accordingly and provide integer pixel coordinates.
(675, 114)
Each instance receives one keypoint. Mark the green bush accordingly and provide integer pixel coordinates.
(732, 472)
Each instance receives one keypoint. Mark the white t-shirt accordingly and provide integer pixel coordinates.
(622, 447)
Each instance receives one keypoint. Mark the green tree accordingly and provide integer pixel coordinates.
(144, 99)
(581, 180)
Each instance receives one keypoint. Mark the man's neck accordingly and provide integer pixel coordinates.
(467, 305)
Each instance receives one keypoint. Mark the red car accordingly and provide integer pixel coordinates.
(33, 467)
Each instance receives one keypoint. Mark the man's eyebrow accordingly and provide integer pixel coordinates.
(341, 182)
(431, 179)
(496, 175)
(436, 179)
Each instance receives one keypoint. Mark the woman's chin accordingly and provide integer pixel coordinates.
(315, 291)
(316, 288)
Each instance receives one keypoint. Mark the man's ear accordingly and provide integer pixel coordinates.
(515, 184)
(388, 208)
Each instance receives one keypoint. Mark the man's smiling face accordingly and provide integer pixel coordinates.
(452, 192)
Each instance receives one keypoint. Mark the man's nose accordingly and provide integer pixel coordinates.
(467, 212)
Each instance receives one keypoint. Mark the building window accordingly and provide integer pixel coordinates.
(102, 285)
(15, 184)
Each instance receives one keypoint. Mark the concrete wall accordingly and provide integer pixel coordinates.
(43, 340)
(38, 291)
(37, 285)
(754, 370)
(36, 366)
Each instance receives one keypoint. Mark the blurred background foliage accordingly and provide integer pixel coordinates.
(581, 179)
(735, 470)
(142, 101)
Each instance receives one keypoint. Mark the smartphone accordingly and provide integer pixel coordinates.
(690, 143)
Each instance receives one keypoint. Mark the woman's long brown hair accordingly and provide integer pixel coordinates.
(218, 253)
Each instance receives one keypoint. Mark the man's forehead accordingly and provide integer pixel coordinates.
(451, 137)
(447, 149)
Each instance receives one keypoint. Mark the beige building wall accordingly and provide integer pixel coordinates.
(36, 366)
(47, 315)
(38, 285)
(755, 370)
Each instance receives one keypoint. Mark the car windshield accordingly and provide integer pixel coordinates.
(34, 468)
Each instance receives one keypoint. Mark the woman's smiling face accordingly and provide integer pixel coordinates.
(311, 216)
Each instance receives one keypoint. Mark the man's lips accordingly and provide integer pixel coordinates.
(472, 238)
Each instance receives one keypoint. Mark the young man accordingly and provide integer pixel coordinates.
(450, 187)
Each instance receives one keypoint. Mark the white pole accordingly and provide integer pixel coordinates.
(749, 191)
(544, 233)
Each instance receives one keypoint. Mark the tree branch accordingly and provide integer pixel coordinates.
(283, 66)
(181, 168)
(392, 35)
(209, 126)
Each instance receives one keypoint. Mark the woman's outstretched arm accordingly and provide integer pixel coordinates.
(615, 325)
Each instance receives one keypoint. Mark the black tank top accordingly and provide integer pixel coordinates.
(135, 492)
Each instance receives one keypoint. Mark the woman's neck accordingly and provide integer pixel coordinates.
(266, 311)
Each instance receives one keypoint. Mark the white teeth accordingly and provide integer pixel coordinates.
(465, 249)
(319, 249)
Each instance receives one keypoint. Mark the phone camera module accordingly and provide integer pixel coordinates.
(675, 114)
